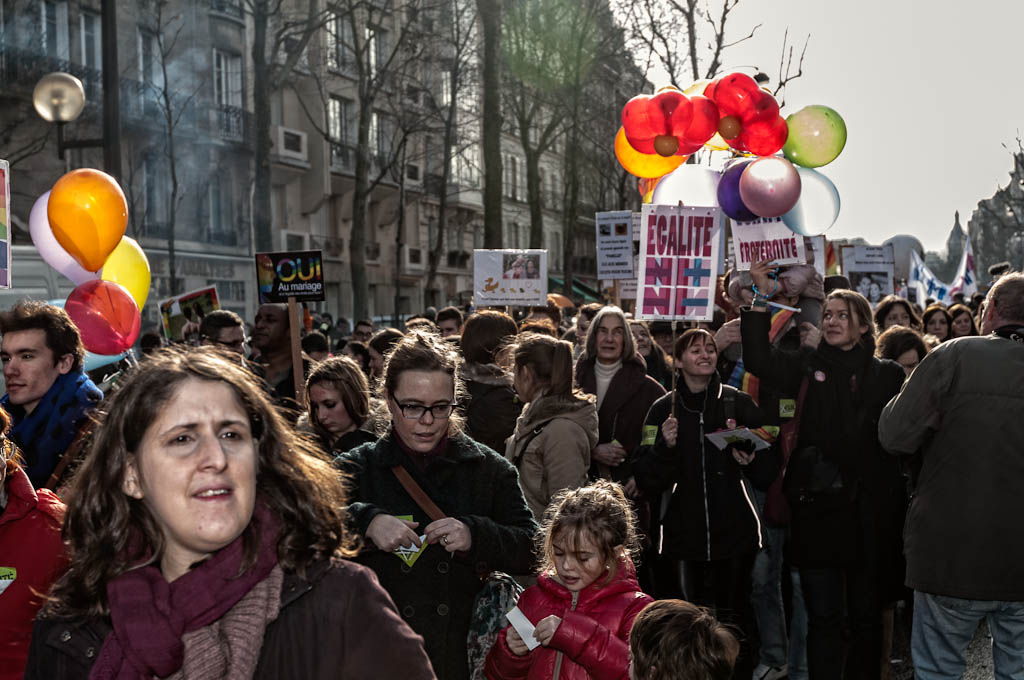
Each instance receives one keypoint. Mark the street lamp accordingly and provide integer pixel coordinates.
(59, 98)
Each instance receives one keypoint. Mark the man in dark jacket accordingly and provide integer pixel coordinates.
(965, 561)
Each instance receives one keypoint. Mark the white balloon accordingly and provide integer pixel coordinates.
(50, 249)
(694, 185)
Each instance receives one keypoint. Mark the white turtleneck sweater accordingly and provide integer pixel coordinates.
(604, 374)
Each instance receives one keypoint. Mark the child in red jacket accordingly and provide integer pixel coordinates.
(586, 596)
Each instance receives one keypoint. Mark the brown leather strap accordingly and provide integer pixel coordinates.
(417, 493)
(69, 455)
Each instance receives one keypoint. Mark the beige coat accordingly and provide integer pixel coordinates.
(551, 447)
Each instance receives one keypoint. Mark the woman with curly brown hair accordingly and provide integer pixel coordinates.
(206, 541)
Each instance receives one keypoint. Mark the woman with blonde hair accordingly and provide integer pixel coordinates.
(553, 437)
(206, 540)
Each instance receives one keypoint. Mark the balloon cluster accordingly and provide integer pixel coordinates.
(734, 113)
(78, 228)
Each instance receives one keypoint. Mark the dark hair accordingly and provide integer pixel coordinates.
(384, 339)
(150, 341)
(551, 363)
(673, 639)
(315, 341)
(860, 311)
(450, 313)
(590, 310)
(108, 532)
(218, 320)
(345, 376)
(887, 304)
(362, 322)
(361, 352)
(420, 323)
(895, 341)
(62, 336)
(957, 310)
(690, 336)
(1007, 297)
(551, 311)
(486, 333)
(599, 511)
(535, 325)
(419, 351)
(942, 311)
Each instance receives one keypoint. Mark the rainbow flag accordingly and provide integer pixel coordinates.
(747, 382)
(831, 266)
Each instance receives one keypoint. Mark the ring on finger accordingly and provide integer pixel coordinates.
(445, 539)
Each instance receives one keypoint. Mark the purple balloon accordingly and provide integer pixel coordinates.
(770, 186)
(729, 194)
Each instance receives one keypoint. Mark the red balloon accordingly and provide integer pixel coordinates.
(764, 138)
(703, 125)
(762, 130)
(735, 95)
(106, 315)
(646, 117)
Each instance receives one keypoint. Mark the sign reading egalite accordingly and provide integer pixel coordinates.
(297, 274)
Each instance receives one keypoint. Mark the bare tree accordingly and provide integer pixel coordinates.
(490, 26)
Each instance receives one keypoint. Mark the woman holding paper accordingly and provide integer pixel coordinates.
(432, 567)
(846, 494)
(710, 529)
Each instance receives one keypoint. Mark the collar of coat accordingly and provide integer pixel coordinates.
(623, 386)
(389, 454)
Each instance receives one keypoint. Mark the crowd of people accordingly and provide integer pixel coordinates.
(761, 496)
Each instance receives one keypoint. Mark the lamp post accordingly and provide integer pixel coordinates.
(59, 98)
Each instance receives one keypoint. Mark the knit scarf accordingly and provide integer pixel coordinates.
(1011, 332)
(150, 616)
(46, 433)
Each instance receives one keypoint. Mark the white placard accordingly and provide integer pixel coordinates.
(767, 238)
(871, 270)
(523, 626)
(510, 277)
(614, 244)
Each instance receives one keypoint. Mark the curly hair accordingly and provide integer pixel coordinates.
(599, 511)
(420, 351)
(62, 336)
(108, 532)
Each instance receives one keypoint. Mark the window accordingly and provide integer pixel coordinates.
(446, 89)
(149, 59)
(227, 79)
(92, 52)
(510, 177)
(469, 165)
(378, 48)
(221, 219)
(339, 118)
(382, 132)
(339, 41)
(53, 15)
(156, 182)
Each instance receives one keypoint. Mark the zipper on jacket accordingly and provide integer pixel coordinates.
(704, 481)
(558, 655)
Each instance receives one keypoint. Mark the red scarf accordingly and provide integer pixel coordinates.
(150, 615)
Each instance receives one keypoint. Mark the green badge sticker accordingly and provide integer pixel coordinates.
(7, 577)
(650, 435)
(787, 408)
(411, 554)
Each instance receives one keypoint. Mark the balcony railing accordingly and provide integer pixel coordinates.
(343, 157)
(233, 123)
(232, 8)
(26, 67)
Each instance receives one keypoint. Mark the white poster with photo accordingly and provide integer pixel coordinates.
(871, 270)
(510, 277)
(614, 244)
(767, 238)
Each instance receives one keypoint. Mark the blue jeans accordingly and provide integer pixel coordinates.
(766, 597)
(944, 626)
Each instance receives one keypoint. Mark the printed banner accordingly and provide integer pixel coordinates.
(923, 284)
(871, 270)
(5, 224)
(297, 274)
(680, 256)
(966, 279)
(510, 277)
(614, 244)
(767, 238)
(182, 315)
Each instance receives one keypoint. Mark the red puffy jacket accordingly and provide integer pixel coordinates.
(591, 642)
(32, 556)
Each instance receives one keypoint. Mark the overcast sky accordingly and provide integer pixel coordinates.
(930, 92)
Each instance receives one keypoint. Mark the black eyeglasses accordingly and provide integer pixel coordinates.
(416, 411)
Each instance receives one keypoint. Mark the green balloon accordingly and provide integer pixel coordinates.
(817, 135)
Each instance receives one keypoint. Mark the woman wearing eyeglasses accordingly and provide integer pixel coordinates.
(432, 568)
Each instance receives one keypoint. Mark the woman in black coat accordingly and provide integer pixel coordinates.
(710, 531)
(433, 568)
(845, 491)
(490, 405)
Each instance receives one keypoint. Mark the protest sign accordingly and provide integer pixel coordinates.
(680, 254)
(510, 277)
(923, 284)
(819, 251)
(5, 224)
(767, 238)
(614, 244)
(181, 315)
(294, 274)
(871, 270)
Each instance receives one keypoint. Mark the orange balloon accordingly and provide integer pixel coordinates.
(88, 215)
(643, 164)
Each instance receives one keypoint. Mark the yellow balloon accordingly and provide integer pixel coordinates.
(128, 266)
(642, 164)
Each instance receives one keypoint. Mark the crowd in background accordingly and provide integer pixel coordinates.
(567, 447)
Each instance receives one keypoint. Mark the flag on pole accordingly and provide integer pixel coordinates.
(925, 284)
(966, 279)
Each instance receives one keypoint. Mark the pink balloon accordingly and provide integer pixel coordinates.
(106, 316)
(51, 251)
(770, 187)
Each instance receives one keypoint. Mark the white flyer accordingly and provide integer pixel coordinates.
(523, 627)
